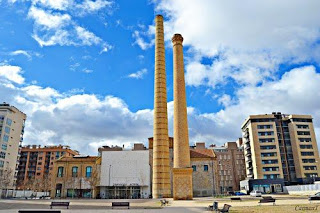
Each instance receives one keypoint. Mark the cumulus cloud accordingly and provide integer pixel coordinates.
(138, 75)
(55, 22)
(87, 121)
(244, 41)
(11, 73)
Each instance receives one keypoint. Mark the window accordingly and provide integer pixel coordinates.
(269, 154)
(205, 168)
(74, 171)
(269, 161)
(1, 163)
(4, 146)
(60, 172)
(271, 176)
(302, 126)
(88, 171)
(308, 160)
(266, 140)
(6, 138)
(7, 130)
(39, 163)
(39, 168)
(264, 126)
(302, 120)
(310, 168)
(305, 146)
(268, 169)
(9, 122)
(303, 133)
(307, 153)
(194, 167)
(310, 175)
(265, 133)
(40, 158)
(268, 147)
(305, 139)
(2, 155)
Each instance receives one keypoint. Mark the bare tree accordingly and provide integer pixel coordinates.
(6, 179)
(46, 183)
(73, 182)
(94, 179)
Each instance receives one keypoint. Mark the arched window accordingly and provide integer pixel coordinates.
(60, 171)
(75, 171)
(88, 171)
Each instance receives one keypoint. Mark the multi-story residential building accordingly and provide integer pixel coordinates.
(230, 166)
(36, 163)
(12, 122)
(280, 146)
(77, 176)
(125, 174)
(203, 162)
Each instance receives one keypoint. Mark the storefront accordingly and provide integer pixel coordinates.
(121, 192)
(263, 185)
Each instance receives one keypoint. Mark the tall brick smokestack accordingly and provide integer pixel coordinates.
(161, 186)
(182, 172)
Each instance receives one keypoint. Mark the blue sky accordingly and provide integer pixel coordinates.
(83, 70)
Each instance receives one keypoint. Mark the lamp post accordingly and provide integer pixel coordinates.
(109, 181)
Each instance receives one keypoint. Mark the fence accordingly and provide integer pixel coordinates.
(309, 189)
(21, 194)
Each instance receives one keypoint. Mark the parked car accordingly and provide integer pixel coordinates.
(230, 193)
(317, 195)
(255, 193)
(239, 193)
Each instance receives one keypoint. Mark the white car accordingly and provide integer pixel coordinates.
(255, 193)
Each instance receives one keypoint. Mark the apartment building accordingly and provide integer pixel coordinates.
(36, 163)
(76, 177)
(230, 168)
(12, 123)
(280, 146)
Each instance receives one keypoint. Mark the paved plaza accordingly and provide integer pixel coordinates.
(284, 203)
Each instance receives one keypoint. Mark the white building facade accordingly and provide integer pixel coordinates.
(125, 174)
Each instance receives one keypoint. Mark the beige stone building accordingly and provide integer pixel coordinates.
(230, 168)
(204, 174)
(280, 146)
(203, 163)
(36, 165)
(12, 123)
(77, 176)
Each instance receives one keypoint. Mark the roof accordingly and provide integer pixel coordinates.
(202, 153)
(78, 159)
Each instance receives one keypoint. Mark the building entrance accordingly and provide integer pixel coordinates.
(122, 192)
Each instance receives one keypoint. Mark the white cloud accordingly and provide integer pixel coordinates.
(245, 41)
(87, 38)
(47, 19)
(139, 74)
(88, 6)
(54, 4)
(295, 93)
(140, 41)
(86, 121)
(86, 70)
(21, 52)
(11, 73)
(54, 22)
